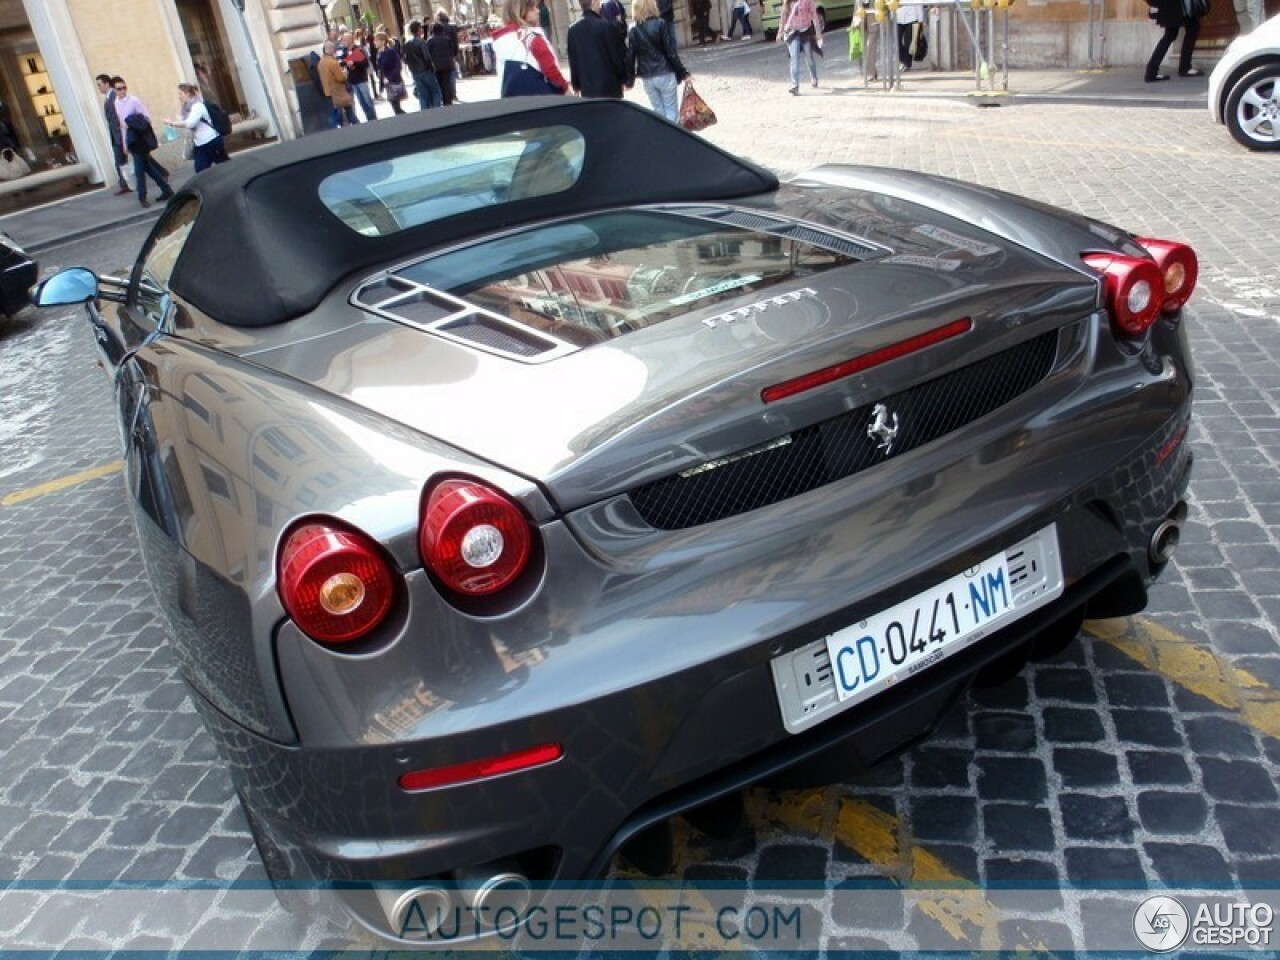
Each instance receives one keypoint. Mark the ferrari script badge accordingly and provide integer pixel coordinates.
(883, 428)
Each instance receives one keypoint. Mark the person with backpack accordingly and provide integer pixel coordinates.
(208, 146)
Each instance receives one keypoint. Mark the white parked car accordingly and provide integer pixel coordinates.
(1244, 88)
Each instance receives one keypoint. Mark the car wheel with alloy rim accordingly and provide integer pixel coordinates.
(1253, 108)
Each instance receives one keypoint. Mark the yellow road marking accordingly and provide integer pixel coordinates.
(954, 903)
(62, 483)
(1193, 668)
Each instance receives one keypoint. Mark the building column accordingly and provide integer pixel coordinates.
(281, 31)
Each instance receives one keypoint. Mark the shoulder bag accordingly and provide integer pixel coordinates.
(520, 78)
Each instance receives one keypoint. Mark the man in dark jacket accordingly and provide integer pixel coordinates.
(417, 59)
(597, 55)
(113, 129)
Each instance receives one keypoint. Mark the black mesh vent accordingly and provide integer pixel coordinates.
(840, 447)
(798, 232)
(497, 336)
(829, 241)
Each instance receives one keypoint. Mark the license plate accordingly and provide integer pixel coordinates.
(867, 657)
(910, 636)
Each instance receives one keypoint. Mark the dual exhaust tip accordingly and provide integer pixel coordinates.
(488, 899)
(1164, 541)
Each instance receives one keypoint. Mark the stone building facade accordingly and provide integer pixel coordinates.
(249, 56)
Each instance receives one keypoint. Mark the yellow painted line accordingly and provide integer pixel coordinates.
(954, 903)
(1193, 668)
(62, 483)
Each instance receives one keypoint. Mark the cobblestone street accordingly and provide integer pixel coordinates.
(1145, 757)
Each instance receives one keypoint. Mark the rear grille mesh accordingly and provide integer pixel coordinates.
(840, 447)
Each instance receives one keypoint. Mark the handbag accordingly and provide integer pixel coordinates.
(188, 148)
(395, 92)
(695, 113)
(922, 46)
(524, 80)
(520, 78)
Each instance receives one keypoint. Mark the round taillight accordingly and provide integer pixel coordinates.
(1134, 291)
(473, 538)
(334, 582)
(1180, 267)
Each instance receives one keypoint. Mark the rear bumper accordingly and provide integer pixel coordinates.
(638, 755)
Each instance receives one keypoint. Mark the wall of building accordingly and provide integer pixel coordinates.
(136, 40)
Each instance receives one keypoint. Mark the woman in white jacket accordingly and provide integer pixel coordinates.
(207, 146)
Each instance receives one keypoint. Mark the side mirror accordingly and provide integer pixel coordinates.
(73, 285)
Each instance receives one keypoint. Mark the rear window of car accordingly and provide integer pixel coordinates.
(574, 283)
(383, 198)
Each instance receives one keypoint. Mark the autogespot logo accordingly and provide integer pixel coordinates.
(1161, 924)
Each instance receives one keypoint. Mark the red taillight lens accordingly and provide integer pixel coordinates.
(334, 582)
(473, 538)
(1134, 290)
(1180, 267)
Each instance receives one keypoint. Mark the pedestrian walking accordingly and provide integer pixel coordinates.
(598, 55)
(520, 41)
(333, 83)
(741, 15)
(106, 87)
(799, 31)
(910, 33)
(417, 60)
(701, 13)
(357, 63)
(1172, 16)
(207, 145)
(652, 56)
(139, 139)
(455, 48)
(441, 49)
(390, 70)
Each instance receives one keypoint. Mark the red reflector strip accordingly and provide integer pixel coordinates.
(1173, 443)
(847, 368)
(481, 769)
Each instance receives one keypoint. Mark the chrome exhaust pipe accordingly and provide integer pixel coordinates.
(1164, 541)
(415, 913)
(498, 895)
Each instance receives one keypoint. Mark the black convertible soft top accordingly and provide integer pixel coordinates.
(265, 248)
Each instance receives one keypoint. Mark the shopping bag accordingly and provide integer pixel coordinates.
(855, 41)
(695, 114)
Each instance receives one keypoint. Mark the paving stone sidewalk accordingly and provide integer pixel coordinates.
(1103, 773)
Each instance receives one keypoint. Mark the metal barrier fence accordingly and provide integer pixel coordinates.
(984, 22)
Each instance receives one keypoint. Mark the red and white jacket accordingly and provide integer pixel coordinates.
(527, 45)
